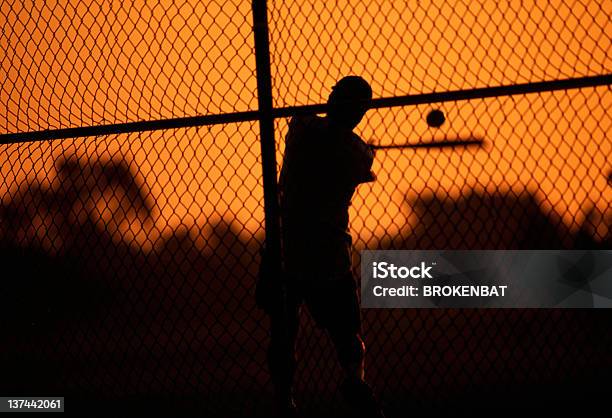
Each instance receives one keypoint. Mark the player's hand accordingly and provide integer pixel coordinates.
(371, 177)
(372, 148)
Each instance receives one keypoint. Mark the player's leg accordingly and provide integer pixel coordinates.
(340, 306)
(284, 325)
(335, 307)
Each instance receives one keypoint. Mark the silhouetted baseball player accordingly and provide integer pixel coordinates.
(324, 162)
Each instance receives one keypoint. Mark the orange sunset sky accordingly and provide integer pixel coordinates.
(81, 63)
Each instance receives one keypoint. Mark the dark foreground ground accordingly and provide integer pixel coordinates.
(175, 330)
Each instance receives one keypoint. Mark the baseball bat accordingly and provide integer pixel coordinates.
(445, 143)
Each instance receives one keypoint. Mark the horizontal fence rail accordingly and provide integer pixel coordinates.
(378, 103)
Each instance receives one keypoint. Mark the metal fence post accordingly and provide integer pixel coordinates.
(268, 159)
(266, 127)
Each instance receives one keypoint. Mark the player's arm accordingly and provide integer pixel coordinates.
(364, 159)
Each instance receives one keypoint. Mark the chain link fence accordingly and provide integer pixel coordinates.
(129, 259)
(82, 63)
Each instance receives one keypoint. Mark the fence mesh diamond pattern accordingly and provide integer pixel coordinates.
(129, 260)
